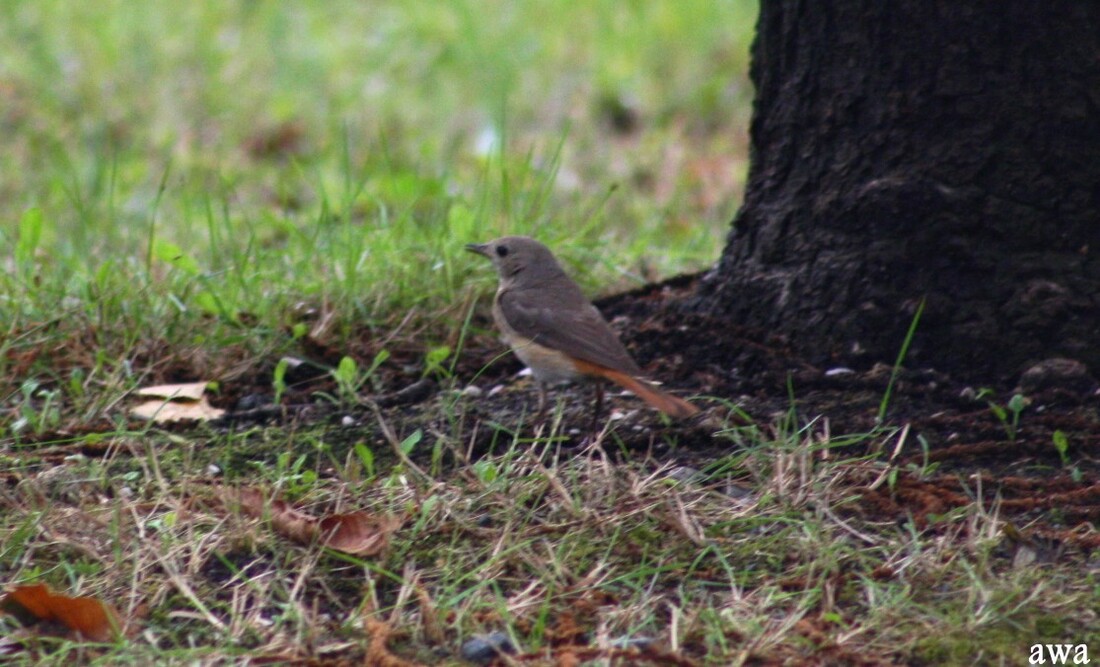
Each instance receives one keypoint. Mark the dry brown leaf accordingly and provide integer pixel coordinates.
(285, 139)
(84, 617)
(429, 615)
(165, 411)
(378, 653)
(356, 533)
(191, 391)
(175, 402)
(250, 500)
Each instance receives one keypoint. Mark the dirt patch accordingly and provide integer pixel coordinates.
(961, 441)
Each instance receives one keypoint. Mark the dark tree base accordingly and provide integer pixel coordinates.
(913, 150)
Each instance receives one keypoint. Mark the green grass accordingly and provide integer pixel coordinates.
(173, 171)
(549, 548)
(412, 129)
(190, 189)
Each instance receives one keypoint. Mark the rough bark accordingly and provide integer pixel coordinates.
(922, 149)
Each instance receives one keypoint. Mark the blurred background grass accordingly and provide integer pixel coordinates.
(167, 165)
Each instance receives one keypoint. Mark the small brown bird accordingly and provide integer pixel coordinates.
(550, 325)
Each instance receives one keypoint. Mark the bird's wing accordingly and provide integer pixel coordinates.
(574, 327)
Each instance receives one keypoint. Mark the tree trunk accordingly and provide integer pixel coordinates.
(916, 149)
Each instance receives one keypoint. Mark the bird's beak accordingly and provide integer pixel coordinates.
(479, 248)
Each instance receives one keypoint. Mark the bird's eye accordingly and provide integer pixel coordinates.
(502, 251)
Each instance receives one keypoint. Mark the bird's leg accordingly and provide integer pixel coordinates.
(597, 407)
(541, 416)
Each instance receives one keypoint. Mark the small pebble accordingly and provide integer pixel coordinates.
(737, 491)
(1057, 373)
(252, 402)
(347, 421)
(292, 363)
(484, 649)
(631, 642)
(213, 470)
(686, 474)
(472, 392)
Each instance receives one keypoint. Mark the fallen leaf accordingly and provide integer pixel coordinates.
(84, 617)
(189, 390)
(163, 412)
(355, 533)
(286, 139)
(378, 653)
(175, 402)
(358, 533)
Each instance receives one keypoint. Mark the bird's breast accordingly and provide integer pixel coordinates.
(547, 364)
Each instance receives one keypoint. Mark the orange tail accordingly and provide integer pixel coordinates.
(673, 406)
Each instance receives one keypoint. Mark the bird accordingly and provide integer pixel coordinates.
(546, 320)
